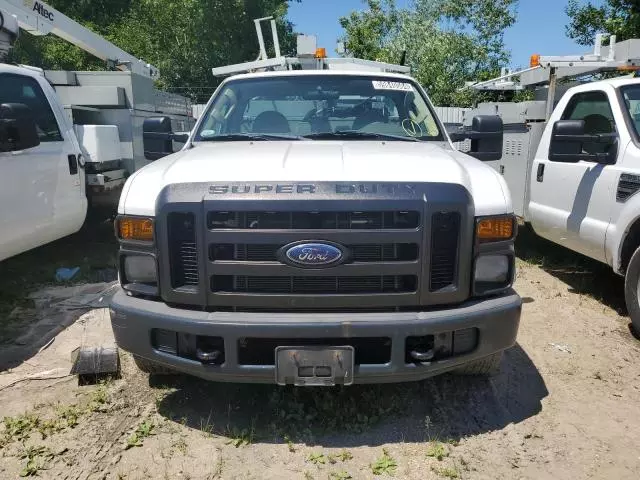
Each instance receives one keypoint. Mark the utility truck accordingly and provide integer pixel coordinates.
(68, 140)
(318, 228)
(571, 158)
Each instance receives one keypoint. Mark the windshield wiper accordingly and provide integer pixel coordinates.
(235, 137)
(356, 134)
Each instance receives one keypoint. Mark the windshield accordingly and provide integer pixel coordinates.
(321, 107)
(631, 95)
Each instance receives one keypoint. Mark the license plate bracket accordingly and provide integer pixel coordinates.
(315, 365)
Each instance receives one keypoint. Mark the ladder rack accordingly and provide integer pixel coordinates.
(309, 57)
(547, 70)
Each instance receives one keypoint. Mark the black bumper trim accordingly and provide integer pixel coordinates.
(497, 320)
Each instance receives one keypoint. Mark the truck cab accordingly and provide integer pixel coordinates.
(42, 185)
(318, 228)
(571, 157)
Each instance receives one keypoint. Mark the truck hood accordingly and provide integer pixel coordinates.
(317, 161)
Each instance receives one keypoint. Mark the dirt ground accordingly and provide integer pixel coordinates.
(565, 406)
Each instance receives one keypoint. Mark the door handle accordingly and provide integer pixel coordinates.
(73, 164)
(540, 173)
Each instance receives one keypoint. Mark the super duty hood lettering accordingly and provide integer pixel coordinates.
(284, 188)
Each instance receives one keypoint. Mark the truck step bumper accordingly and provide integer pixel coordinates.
(240, 346)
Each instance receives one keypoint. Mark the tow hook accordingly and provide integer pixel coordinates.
(422, 356)
(208, 357)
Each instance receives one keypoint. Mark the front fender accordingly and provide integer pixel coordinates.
(618, 231)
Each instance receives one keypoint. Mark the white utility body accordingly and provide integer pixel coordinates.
(573, 164)
(89, 129)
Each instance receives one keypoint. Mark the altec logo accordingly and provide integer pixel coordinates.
(42, 10)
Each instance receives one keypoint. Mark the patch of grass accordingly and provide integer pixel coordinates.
(342, 475)
(446, 472)
(144, 430)
(69, 415)
(99, 398)
(290, 445)
(240, 437)
(437, 450)
(19, 428)
(303, 412)
(317, 458)
(206, 427)
(307, 475)
(343, 456)
(384, 465)
(37, 458)
(49, 427)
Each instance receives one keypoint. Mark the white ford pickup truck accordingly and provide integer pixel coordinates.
(571, 158)
(318, 228)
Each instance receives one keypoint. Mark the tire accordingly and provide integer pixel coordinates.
(485, 366)
(631, 284)
(153, 368)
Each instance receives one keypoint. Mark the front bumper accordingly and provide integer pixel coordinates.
(496, 319)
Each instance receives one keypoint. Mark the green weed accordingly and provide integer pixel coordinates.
(144, 430)
(437, 450)
(342, 475)
(446, 472)
(385, 465)
(317, 458)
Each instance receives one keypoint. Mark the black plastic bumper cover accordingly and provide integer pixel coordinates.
(496, 319)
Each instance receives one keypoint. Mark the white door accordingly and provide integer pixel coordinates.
(30, 179)
(570, 203)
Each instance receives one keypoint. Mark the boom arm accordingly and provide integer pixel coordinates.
(38, 18)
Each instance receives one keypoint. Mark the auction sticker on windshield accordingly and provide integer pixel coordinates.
(386, 85)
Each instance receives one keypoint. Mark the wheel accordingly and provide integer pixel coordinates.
(631, 287)
(485, 366)
(147, 366)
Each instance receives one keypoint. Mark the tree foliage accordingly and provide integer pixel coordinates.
(447, 42)
(615, 17)
(183, 38)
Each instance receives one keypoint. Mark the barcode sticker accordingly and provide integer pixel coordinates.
(387, 85)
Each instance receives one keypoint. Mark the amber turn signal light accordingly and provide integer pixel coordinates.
(495, 229)
(135, 228)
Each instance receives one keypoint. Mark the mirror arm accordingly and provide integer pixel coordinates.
(593, 138)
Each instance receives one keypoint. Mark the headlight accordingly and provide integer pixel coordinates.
(492, 268)
(140, 269)
(492, 272)
(135, 228)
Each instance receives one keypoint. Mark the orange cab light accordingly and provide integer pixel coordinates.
(321, 52)
(534, 61)
(495, 228)
(134, 228)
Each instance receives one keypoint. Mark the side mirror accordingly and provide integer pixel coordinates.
(158, 137)
(486, 136)
(570, 143)
(17, 128)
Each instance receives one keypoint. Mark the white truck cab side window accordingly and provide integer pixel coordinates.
(594, 109)
(570, 202)
(25, 90)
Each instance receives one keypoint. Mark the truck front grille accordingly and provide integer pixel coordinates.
(315, 285)
(313, 220)
(402, 250)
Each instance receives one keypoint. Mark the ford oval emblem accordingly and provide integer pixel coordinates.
(313, 254)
